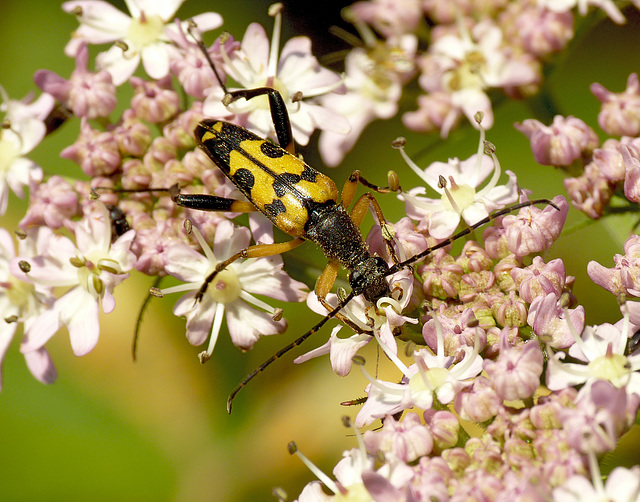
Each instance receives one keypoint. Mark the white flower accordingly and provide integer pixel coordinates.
(377, 321)
(622, 485)
(256, 64)
(458, 183)
(431, 374)
(603, 349)
(466, 65)
(583, 5)
(26, 130)
(91, 271)
(231, 292)
(21, 302)
(373, 91)
(143, 33)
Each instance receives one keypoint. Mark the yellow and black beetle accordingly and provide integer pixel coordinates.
(302, 202)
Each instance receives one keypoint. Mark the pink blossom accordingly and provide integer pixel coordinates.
(590, 192)
(533, 230)
(458, 332)
(551, 322)
(624, 277)
(191, 67)
(516, 372)
(231, 294)
(26, 131)
(154, 102)
(258, 63)
(479, 402)
(53, 204)
(87, 94)
(407, 440)
(373, 89)
(463, 190)
(568, 139)
(95, 152)
(388, 17)
(21, 303)
(602, 414)
(632, 176)
(539, 278)
(620, 113)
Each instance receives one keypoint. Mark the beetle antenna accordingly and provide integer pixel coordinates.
(284, 350)
(399, 266)
(192, 31)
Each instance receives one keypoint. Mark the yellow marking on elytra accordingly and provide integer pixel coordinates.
(320, 190)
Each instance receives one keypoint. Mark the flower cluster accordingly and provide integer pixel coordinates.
(603, 175)
(487, 331)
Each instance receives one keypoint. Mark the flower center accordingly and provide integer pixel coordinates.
(145, 30)
(435, 377)
(8, 153)
(612, 367)
(458, 197)
(225, 288)
(468, 74)
(263, 101)
(355, 493)
(18, 292)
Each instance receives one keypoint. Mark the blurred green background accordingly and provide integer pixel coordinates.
(157, 429)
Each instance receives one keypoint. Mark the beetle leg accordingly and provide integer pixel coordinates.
(359, 212)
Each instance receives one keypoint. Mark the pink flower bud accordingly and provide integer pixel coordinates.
(444, 427)
(52, 204)
(620, 113)
(516, 372)
(133, 136)
(533, 230)
(441, 275)
(407, 440)
(154, 102)
(479, 402)
(96, 152)
(540, 278)
(565, 141)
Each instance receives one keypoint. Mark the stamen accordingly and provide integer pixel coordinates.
(319, 91)
(215, 331)
(401, 366)
(375, 384)
(596, 476)
(326, 480)
(346, 421)
(232, 70)
(203, 244)
(187, 286)
(276, 12)
(469, 358)
(494, 179)
(576, 336)
(451, 199)
(414, 167)
(247, 297)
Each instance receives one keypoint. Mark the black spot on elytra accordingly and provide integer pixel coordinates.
(243, 178)
(282, 181)
(309, 174)
(272, 151)
(275, 208)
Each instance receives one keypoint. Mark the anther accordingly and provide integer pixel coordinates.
(399, 142)
(157, 292)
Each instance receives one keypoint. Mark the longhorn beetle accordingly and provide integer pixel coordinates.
(302, 202)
